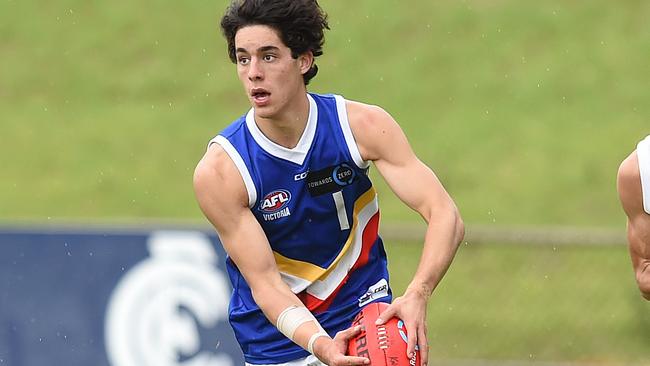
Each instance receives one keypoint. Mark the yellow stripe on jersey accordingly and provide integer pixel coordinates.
(311, 272)
(304, 270)
(362, 202)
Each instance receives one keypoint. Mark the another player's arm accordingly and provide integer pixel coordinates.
(222, 196)
(381, 140)
(638, 221)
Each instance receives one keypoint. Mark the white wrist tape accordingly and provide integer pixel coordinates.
(291, 318)
(312, 340)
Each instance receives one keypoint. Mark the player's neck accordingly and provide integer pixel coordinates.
(286, 127)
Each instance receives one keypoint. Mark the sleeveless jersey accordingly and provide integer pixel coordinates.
(319, 211)
(643, 154)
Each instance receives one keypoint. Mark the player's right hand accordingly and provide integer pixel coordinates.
(332, 351)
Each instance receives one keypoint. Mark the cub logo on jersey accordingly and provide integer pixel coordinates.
(274, 205)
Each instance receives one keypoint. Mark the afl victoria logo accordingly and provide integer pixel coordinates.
(155, 314)
(275, 201)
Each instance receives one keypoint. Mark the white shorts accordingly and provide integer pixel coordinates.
(310, 360)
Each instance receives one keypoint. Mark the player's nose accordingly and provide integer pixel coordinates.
(255, 71)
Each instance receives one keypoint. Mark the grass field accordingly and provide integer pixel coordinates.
(536, 303)
(523, 109)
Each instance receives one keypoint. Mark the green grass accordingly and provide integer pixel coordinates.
(540, 303)
(523, 109)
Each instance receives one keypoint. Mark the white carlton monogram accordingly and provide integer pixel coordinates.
(153, 312)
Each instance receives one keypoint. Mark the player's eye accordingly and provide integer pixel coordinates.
(268, 58)
(242, 60)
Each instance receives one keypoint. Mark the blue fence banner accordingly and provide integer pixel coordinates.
(111, 298)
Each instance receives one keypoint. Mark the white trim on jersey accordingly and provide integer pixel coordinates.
(297, 154)
(295, 283)
(347, 133)
(241, 166)
(643, 154)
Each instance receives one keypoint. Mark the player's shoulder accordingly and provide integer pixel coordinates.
(629, 176)
(373, 129)
(211, 167)
(216, 162)
(216, 171)
(364, 113)
(369, 121)
(628, 184)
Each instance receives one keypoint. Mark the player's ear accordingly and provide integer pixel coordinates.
(305, 61)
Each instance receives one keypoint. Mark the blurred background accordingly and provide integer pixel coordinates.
(523, 109)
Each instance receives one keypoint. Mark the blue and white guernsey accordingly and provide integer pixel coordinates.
(319, 212)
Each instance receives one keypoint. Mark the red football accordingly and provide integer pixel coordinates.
(384, 345)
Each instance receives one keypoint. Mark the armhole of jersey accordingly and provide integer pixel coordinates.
(347, 133)
(643, 154)
(241, 166)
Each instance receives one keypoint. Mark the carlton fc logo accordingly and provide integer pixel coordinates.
(275, 205)
(158, 310)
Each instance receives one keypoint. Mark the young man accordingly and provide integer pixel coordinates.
(634, 191)
(286, 187)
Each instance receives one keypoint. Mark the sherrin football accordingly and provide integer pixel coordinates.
(384, 345)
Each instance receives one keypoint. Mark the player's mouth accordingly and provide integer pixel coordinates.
(260, 96)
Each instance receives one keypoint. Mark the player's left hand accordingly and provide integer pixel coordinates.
(332, 352)
(412, 309)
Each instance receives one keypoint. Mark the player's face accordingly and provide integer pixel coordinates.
(272, 78)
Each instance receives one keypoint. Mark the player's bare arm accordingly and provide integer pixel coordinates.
(381, 140)
(222, 196)
(638, 223)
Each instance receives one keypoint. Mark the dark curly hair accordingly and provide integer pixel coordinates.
(300, 24)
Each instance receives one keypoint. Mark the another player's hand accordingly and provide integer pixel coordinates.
(412, 309)
(332, 351)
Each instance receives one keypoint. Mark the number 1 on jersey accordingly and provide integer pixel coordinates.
(340, 210)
